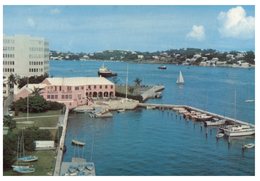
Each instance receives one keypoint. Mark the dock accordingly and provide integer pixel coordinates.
(152, 92)
(79, 166)
(190, 108)
(61, 145)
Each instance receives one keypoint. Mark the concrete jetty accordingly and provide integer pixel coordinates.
(180, 107)
(61, 145)
(152, 92)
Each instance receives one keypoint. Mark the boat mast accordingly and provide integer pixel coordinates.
(27, 113)
(126, 82)
(17, 149)
(22, 141)
(235, 103)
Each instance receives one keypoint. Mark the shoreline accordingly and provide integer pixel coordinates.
(159, 63)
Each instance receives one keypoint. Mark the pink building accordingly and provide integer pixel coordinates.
(73, 91)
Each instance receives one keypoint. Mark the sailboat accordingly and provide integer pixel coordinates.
(23, 158)
(239, 130)
(22, 168)
(180, 79)
(29, 158)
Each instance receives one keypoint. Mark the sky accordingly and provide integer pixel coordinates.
(89, 29)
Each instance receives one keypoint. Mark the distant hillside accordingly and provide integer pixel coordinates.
(189, 56)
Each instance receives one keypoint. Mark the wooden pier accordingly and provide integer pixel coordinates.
(179, 107)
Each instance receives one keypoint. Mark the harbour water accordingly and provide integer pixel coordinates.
(154, 142)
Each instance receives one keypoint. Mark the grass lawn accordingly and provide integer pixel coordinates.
(39, 121)
(52, 112)
(43, 167)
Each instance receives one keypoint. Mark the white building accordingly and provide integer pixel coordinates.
(44, 145)
(24, 55)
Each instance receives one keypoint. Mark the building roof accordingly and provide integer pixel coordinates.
(79, 81)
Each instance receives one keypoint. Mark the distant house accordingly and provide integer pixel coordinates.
(73, 91)
(44, 145)
(245, 65)
(203, 63)
(196, 56)
(140, 56)
(155, 57)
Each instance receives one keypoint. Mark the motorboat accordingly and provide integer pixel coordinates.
(215, 122)
(219, 135)
(163, 67)
(239, 130)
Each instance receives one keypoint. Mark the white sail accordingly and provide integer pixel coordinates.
(180, 79)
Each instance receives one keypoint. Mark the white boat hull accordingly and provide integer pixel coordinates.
(217, 123)
(239, 133)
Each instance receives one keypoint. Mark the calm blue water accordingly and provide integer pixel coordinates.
(152, 142)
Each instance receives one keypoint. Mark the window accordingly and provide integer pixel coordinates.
(111, 86)
(52, 96)
(62, 96)
(76, 88)
(48, 96)
(100, 86)
(95, 86)
(70, 96)
(56, 96)
(106, 86)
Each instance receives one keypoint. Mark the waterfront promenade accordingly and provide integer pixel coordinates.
(60, 148)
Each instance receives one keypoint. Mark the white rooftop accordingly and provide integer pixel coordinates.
(78, 81)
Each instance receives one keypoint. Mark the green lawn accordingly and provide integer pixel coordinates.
(43, 167)
(39, 121)
(54, 112)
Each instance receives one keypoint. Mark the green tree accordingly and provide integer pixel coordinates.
(12, 80)
(36, 91)
(9, 149)
(32, 134)
(37, 104)
(250, 57)
(9, 122)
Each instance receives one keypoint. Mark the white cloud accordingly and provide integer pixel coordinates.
(197, 33)
(236, 24)
(55, 11)
(31, 22)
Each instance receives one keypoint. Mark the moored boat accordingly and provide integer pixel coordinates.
(215, 122)
(219, 135)
(239, 130)
(248, 146)
(76, 142)
(163, 67)
(105, 72)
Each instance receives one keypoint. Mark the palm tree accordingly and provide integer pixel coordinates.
(12, 80)
(36, 91)
(137, 82)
